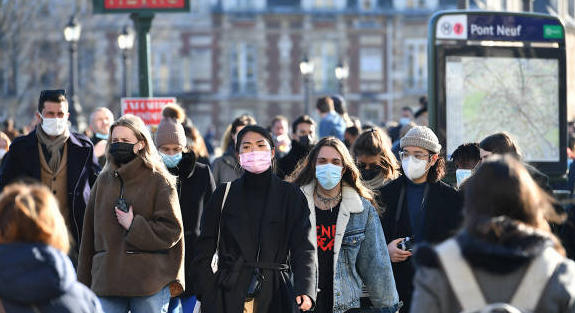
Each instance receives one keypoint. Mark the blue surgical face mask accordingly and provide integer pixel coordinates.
(101, 136)
(462, 175)
(171, 161)
(404, 121)
(328, 175)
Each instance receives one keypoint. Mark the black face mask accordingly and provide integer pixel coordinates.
(305, 141)
(369, 174)
(122, 152)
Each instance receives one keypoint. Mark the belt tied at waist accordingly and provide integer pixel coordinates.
(230, 272)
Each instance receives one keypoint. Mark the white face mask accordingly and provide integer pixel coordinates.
(462, 175)
(54, 126)
(2, 153)
(414, 168)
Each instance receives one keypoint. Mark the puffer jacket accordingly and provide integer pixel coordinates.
(39, 278)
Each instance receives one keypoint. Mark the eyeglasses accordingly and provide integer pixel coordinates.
(420, 156)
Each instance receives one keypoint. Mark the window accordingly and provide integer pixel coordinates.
(371, 112)
(416, 62)
(415, 4)
(243, 4)
(324, 4)
(201, 68)
(370, 64)
(243, 68)
(162, 75)
(367, 5)
(324, 58)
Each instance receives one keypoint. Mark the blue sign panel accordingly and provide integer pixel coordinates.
(513, 28)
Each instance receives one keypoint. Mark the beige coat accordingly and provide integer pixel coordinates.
(147, 257)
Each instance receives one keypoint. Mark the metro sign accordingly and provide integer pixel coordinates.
(136, 6)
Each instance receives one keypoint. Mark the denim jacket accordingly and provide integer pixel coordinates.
(360, 254)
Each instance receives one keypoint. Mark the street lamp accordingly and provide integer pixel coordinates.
(126, 43)
(306, 69)
(341, 73)
(72, 33)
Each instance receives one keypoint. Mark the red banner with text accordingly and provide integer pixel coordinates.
(148, 109)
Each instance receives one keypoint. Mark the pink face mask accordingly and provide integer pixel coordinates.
(256, 162)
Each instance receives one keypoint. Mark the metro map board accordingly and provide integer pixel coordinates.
(135, 6)
(486, 27)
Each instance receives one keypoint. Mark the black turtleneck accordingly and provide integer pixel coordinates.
(256, 190)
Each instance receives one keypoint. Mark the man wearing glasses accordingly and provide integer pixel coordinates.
(61, 160)
(417, 205)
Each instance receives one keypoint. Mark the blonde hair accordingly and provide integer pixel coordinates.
(5, 137)
(149, 153)
(30, 213)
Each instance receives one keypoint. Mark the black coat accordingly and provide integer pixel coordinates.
(442, 218)
(195, 187)
(288, 163)
(288, 238)
(23, 161)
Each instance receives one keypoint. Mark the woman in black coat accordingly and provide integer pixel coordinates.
(259, 206)
(417, 205)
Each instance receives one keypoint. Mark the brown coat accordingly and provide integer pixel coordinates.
(148, 257)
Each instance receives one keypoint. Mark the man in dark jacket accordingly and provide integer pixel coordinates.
(303, 138)
(61, 160)
(417, 205)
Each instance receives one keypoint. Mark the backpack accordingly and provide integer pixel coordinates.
(469, 295)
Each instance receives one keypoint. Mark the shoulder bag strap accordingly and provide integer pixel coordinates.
(221, 210)
(460, 276)
(535, 280)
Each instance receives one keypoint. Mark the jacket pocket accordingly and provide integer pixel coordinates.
(351, 244)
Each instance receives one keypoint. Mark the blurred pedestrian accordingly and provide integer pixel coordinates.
(341, 109)
(303, 138)
(350, 135)
(195, 185)
(503, 143)
(10, 130)
(349, 234)
(376, 162)
(331, 124)
(259, 228)
(132, 253)
(506, 250)
(396, 145)
(405, 118)
(62, 160)
(4, 145)
(419, 207)
(36, 274)
(100, 121)
(465, 157)
(421, 116)
(279, 129)
(227, 168)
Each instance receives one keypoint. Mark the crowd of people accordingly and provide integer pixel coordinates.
(326, 216)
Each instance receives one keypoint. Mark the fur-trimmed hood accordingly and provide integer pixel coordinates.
(499, 245)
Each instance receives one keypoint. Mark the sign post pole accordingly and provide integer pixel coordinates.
(142, 25)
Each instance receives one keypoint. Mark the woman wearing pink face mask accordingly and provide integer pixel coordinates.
(259, 228)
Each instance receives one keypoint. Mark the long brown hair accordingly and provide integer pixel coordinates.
(305, 171)
(374, 142)
(30, 213)
(502, 186)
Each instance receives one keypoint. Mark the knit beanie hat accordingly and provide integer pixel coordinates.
(422, 137)
(170, 132)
